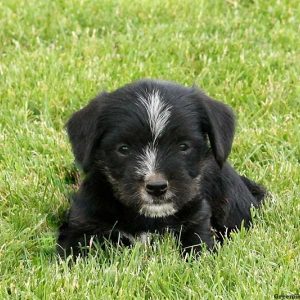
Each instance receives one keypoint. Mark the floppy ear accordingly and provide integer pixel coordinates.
(84, 130)
(218, 122)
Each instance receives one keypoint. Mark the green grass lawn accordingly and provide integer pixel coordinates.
(56, 55)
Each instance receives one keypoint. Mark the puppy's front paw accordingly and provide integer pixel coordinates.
(194, 242)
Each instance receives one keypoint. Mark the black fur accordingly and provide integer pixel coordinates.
(207, 194)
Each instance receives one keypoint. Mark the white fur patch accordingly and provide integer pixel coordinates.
(147, 161)
(144, 238)
(157, 210)
(158, 112)
(129, 236)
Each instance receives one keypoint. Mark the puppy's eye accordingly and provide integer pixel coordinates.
(184, 147)
(123, 150)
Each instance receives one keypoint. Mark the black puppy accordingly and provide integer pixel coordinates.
(154, 154)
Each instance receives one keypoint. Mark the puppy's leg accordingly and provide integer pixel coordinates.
(83, 229)
(194, 238)
(198, 232)
(73, 241)
(232, 205)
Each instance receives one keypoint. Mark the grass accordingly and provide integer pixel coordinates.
(56, 55)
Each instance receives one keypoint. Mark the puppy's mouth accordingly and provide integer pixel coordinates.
(157, 206)
(157, 210)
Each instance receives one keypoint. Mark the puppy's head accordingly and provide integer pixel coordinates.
(149, 139)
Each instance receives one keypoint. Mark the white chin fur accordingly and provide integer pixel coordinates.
(157, 210)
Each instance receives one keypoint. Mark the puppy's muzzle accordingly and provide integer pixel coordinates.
(156, 185)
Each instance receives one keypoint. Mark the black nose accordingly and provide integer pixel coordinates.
(156, 187)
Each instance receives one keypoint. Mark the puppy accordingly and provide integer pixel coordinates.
(154, 154)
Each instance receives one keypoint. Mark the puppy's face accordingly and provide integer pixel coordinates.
(151, 153)
(149, 139)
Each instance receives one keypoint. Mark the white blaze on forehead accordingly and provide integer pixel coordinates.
(147, 161)
(158, 112)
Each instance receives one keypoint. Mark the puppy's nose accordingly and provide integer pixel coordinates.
(156, 186)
